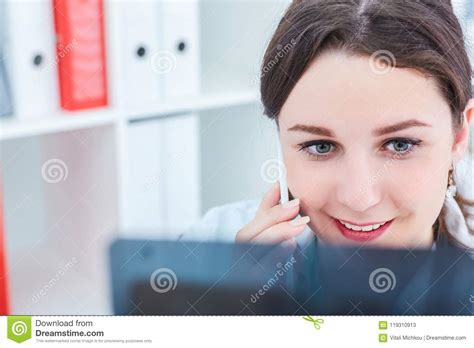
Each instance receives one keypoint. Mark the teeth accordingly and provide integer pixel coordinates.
(361, 228)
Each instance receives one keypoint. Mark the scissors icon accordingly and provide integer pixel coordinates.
(316, 322)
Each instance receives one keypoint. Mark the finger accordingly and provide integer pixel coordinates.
(266, 219)
(282, 231)
(271, 197)
(279, 213)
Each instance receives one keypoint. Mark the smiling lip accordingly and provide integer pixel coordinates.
(366, 224)
(361, 236)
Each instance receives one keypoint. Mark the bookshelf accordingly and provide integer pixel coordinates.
(68, 178)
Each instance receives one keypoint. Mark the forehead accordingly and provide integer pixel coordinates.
(345, 89)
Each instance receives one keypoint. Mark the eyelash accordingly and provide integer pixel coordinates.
(413, 142)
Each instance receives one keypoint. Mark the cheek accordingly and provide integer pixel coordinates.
(407, 187)
(424, 194)
(417, 192)
(420, 182)
(310, 183)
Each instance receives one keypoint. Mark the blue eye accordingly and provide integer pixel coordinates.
(321, 149)
(317, 149)
(402, 146)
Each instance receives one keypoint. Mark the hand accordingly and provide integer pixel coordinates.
(273, 222)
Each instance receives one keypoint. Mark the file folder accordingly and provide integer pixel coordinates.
(138, 53)
(180, 39)
(80, 50)
(163, 181)
(144, 206)
(182, 182)
(30, 59)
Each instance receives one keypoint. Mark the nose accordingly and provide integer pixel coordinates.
(359, 188)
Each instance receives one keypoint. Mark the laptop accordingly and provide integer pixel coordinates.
(156, 277)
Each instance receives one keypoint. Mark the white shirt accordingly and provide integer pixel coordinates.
(222, 223)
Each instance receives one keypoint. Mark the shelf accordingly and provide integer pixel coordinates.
(201, 103)
(12, 127)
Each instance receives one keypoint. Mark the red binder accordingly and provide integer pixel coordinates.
(80, 53)
(3, 267)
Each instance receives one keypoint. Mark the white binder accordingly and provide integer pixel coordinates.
(137, 41)
(163, 178)
(31, 57)
(180, 159)
(180, 47)
(144, 204)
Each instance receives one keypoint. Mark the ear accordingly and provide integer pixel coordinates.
(461, 141)
(469, 110)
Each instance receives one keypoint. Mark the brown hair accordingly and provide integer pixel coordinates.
(421, 34)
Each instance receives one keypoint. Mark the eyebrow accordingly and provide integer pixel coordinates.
(316, 130)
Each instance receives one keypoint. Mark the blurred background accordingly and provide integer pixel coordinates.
(123, 118)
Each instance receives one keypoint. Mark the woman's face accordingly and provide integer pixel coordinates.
(367, 146)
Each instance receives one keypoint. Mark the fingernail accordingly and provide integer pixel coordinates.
(291, 204)
(301, 221)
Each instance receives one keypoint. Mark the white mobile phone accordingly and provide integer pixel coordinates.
(282, 173)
